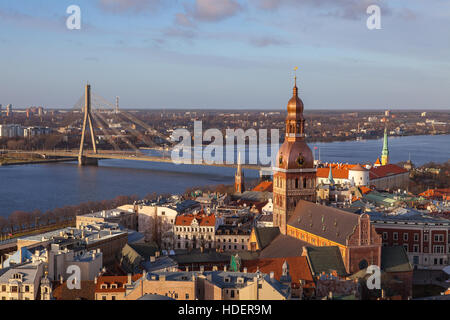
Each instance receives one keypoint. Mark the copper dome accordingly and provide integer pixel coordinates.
(295, 155)
(295, 106)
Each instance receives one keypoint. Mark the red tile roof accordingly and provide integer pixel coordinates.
(436, 193)
(298, 267)
(384, 171)
(62, 292)
(118, 280)
(203, 220)
(264, 186)
(338, 173)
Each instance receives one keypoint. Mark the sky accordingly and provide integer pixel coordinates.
(227, 54)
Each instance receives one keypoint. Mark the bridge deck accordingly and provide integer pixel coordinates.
(126, 155)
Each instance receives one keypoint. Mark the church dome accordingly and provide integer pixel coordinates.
(295, 106)
(295, 155)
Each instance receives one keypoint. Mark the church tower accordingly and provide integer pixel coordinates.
(385, 153)
(294, 175)
(239, 186)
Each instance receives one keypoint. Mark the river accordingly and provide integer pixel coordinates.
(48, 186)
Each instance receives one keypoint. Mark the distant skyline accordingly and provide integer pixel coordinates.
(227, 54)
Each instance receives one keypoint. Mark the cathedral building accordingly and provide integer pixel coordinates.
(294, 177)
(297, 215)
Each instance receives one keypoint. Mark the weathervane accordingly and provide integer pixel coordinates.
(295, 75)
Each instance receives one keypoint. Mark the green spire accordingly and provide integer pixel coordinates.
(385, 153)
(385, 143)
(330, 177)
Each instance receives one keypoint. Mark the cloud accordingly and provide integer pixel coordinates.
(183, 20)
(175, 32)
(346, 9)
(134, 6)
(213, 10)
(267, 41)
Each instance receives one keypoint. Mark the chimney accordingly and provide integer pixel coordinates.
(61, 280)
(272, 275)
(157, 253)
(202, 268)
(245, 269)
(152, 259)
(214, 268)
(225, 268)
(95, 280)
(93, 255)
(129, 279)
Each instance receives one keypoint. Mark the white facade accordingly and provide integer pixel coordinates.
(156, 223)
(22, 282)
(268, 208)
(359, 178)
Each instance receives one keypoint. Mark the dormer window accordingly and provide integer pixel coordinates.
(114, 286)
(104, 286)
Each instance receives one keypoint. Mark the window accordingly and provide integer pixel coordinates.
(187, 296)
(103, 297)
(406, 247)
(425, 237)
(385, 235)
(113, 298)
(395, 235)
(438, 249)
(3, 288)
(14, 289)
(27, 288)
(416, 248)
(405, 237)
(232, 293)
(439, 238)
(416, 237)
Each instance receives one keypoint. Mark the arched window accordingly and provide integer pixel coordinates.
(296, 183)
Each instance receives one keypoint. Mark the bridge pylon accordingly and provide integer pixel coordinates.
(82, 160)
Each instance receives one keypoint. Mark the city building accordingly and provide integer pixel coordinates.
(156, 219)
(124, 216)
(104, 236)
(353, 234)
(355, 175)
(22, 282)
(389, 177)
(294, 177)
(425, 239)
(232, 238)
(195, 231)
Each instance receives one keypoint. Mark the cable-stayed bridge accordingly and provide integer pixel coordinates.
(95, 121)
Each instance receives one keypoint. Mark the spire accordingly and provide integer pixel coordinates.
(330, 176)
(239, 177)
(295, 82)
(385, 152)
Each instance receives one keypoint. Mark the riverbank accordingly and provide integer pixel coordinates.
(18, 162)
